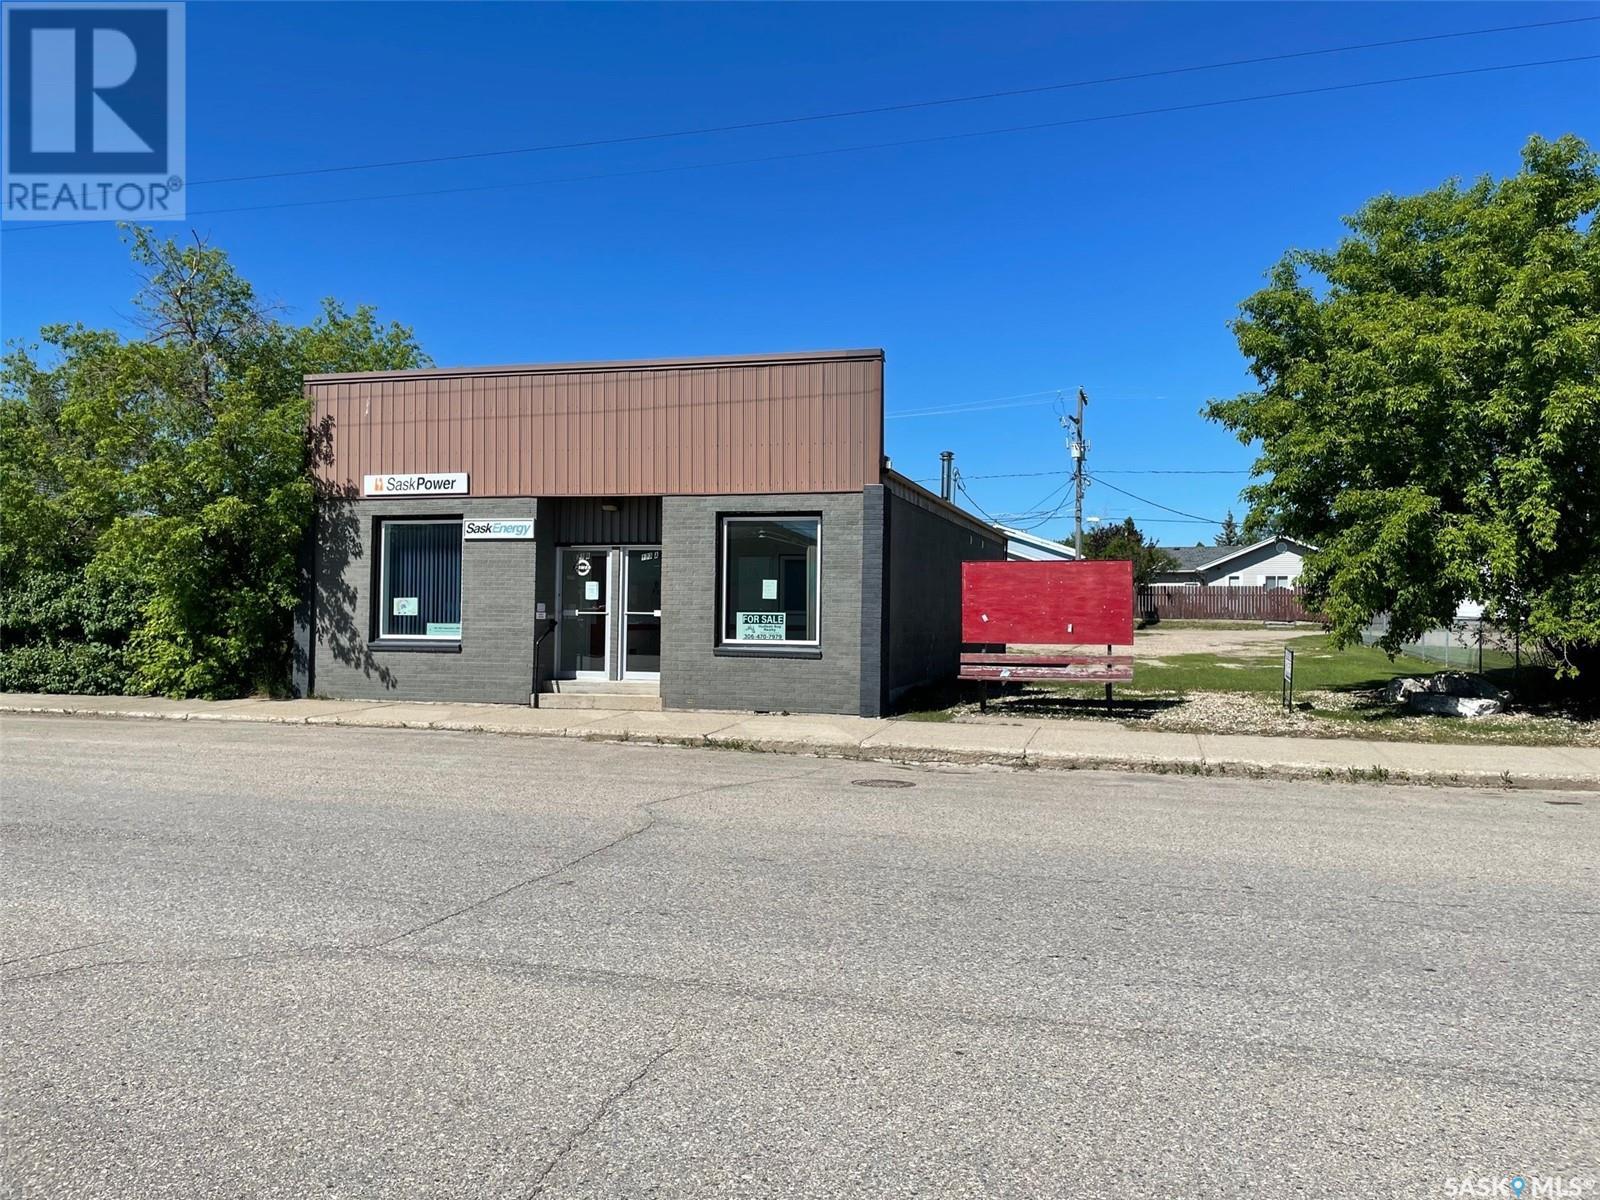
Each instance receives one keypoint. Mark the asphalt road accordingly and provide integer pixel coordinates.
(270, 961)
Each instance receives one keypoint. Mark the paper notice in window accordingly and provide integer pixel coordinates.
(405, 606)
(769, 589)
(591, 589)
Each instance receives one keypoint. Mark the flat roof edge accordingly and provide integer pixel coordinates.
(626, 364)
(892, 479)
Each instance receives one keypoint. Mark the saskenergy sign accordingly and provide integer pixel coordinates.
(493, 528)
(450, 484)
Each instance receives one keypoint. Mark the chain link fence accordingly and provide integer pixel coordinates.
(1466, 644)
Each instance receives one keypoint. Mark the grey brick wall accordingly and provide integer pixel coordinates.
(695, 675)
(923, 608)
(874, 600)
(495, 661)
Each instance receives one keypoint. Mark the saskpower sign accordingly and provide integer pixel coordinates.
(448, 484)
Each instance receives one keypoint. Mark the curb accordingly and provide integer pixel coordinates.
(907, 755)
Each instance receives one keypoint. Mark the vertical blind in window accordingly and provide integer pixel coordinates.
(421, 571)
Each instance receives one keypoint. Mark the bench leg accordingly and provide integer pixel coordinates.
(983, 695)
(1108, 699)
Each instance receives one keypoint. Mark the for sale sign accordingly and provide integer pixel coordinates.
(762, 627)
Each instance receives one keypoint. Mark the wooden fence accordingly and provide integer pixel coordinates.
(1220, 603)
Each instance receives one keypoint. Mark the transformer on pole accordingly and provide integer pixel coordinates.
(1080, 452)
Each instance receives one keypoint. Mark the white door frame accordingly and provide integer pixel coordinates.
(603, 553)
(622, 617)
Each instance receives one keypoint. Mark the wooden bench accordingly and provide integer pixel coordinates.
(987, 667)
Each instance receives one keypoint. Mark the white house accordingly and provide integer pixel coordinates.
(1274, 562)
(1030, 547)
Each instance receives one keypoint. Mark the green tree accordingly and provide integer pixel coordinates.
(1229, 534)
(160, 487)
(1428, 407)
(1127, 541)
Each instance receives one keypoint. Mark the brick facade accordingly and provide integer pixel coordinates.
(889, 576)
(494, 661)
(697, 673)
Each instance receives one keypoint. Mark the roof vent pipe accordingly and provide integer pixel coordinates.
(947, 473)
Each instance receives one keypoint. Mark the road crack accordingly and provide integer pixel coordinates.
(600, 1114)
(650, 822)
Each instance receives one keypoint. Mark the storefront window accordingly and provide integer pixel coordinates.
(769, 580)
(420, 567)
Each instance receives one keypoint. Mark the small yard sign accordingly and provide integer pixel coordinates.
(1288, 677)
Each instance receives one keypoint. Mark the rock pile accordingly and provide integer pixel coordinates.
(1447, 694)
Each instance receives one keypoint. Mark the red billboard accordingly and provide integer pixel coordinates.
(1047, 603)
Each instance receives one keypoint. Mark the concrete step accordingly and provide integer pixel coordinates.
(609, 687)
(629, 701)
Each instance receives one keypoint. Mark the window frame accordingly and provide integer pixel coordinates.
(724, 578)
(384, 604)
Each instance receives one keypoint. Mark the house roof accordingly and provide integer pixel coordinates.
(1192, 558)
(1198, 558)
(1032, 546)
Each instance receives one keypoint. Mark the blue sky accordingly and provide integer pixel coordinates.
(1108, 254)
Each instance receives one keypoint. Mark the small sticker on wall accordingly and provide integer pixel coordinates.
(591, 589)
(769, 589)
(405, 606)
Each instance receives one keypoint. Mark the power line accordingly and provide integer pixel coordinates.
(1042, 515)
(841, 114)
(1102, 471)
(1021, 401)
(961, 486)
(1154, 503)
(899, 143)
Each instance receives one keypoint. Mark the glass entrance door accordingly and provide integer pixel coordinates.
(583, 643)
(641, 630)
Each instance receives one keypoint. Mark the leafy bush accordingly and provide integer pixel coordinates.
(155, 494)
(91, 668)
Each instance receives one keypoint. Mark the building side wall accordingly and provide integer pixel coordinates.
(698, 673)
(494, 662)
(923, 621)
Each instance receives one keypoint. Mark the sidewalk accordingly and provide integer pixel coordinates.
(1016, 743)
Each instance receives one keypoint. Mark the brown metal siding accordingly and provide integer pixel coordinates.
(734, 428)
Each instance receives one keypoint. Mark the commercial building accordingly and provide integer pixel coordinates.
(720, 532)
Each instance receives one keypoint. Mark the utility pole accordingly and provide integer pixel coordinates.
(1080, 451)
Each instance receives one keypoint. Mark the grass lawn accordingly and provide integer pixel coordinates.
(1170, 623)
(1317, 667)
(1338, 693)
